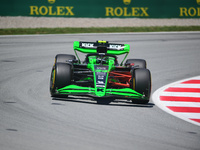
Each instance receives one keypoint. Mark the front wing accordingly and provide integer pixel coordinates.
(125, 93)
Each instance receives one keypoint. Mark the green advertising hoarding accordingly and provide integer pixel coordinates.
(102, 8)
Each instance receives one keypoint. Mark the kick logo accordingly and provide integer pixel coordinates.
(127, 2)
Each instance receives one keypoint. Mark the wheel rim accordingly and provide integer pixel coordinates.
(52, 85)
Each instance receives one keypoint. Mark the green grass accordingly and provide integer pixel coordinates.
(95, 30)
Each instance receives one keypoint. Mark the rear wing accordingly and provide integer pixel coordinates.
(102, 47)
(91, 47)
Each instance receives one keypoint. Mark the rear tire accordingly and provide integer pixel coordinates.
(142, 84)
(61, 76)
(63, 58)
(141, 63)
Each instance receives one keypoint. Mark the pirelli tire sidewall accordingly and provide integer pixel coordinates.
(61, 76)
(142, 84)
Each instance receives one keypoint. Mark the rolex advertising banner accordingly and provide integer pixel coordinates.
(102, 8)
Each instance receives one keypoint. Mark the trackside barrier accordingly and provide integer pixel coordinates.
(102, 8)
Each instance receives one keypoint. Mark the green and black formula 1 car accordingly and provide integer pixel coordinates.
(100, 75)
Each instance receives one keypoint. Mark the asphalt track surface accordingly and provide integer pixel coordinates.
(30, 119)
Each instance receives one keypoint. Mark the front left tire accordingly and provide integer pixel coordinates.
(61, 76)
(141, 83)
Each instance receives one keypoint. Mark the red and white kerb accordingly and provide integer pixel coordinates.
(181, 99)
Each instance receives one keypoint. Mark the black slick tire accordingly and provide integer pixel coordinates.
(141, 80)
(61, 76)
(63, 58)
(140, 63)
